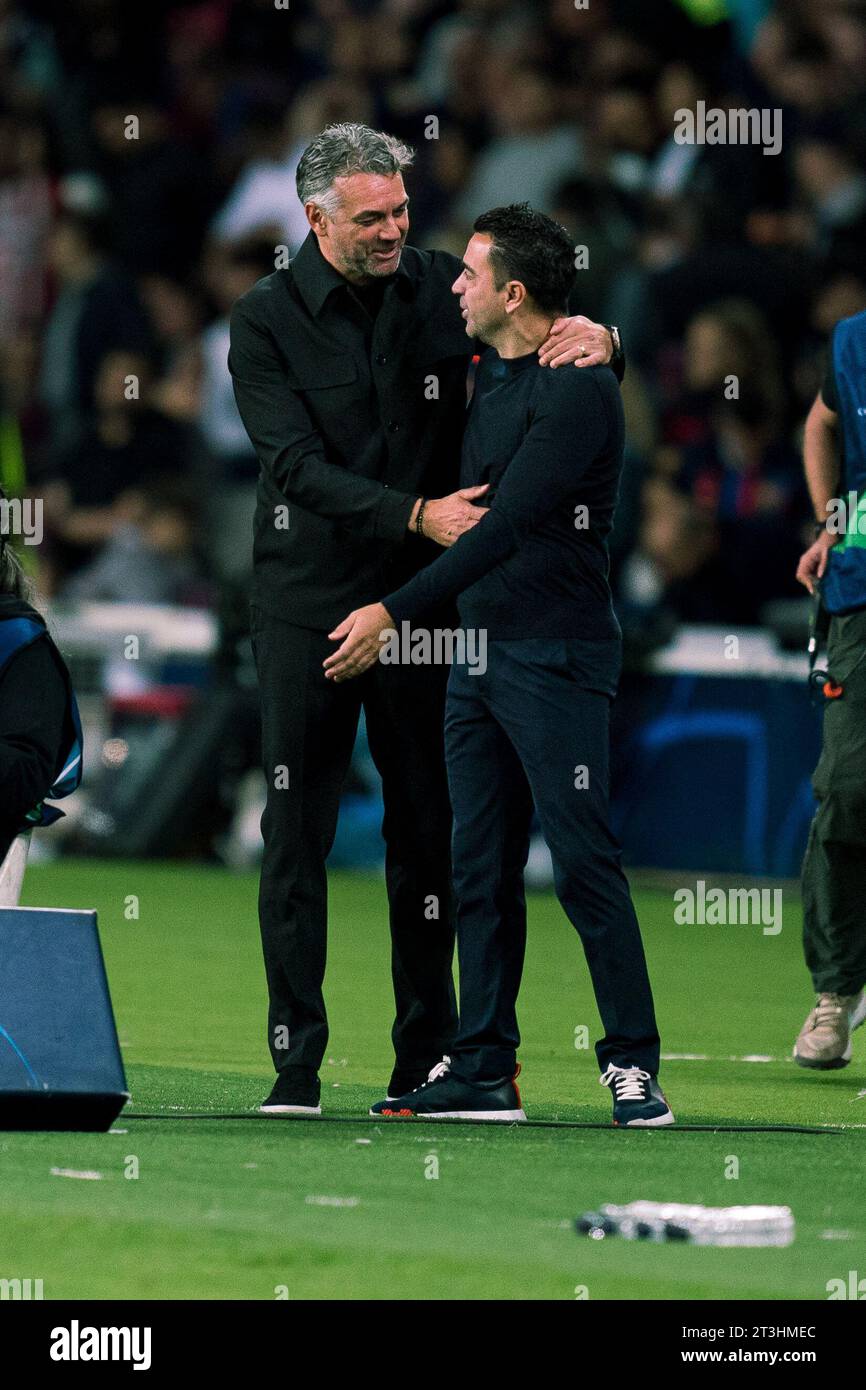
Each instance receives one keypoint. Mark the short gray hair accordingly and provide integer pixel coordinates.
(347, 148)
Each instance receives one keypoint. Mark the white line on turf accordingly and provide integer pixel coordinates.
(704, 1057)
(332, 1201)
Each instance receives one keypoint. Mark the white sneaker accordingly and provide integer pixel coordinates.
(825, 1038)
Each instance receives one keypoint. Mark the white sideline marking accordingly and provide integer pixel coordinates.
(332, 1201)
(704, 1057)
(88, 1174)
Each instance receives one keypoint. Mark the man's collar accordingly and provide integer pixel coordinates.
(316, 278)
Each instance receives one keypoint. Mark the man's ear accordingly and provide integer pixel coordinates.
(317, 218)
(515, 294)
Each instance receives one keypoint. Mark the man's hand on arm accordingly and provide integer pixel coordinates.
(567, 435)
(576, 340)
(446, 518)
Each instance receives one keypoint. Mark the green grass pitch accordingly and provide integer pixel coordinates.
(349, 1208)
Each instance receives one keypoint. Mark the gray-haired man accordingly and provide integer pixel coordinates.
(350, 372)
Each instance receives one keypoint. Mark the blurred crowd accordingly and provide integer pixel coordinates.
(147, 159)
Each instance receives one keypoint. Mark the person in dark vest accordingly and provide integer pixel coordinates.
(40, 729)
(834, 868)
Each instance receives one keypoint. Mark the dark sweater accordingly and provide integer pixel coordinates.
(548, 442)
(33, 714)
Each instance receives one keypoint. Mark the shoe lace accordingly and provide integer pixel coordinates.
(441, 1069)
(628, 1082)
(828, 1009)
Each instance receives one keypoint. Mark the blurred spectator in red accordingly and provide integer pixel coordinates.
(25, 219)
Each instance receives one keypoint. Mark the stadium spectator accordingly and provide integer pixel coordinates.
(533, 150)
(25, 220)
(151, 559)
(97, 310)
(231, 466)
(93, 485)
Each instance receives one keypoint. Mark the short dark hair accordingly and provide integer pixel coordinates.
(530, 247)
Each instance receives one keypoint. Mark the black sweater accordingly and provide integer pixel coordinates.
(33, 713)
(550, 444)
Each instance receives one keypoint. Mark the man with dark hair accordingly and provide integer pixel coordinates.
(527, 246)
(533, 726)
(350, 371)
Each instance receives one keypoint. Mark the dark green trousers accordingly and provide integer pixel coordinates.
(834, 869)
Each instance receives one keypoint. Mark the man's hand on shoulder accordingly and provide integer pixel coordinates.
(576, 340)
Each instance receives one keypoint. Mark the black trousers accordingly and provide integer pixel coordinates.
(308, 731)
(524, 732)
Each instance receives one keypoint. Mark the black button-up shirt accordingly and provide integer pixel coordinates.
(352, 417)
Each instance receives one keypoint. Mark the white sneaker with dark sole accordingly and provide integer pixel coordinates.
(638, 1100)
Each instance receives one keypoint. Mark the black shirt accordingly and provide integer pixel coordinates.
(550, 443)
(353, 418)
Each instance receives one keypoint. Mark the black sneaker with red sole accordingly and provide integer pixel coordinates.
(446, 1097)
